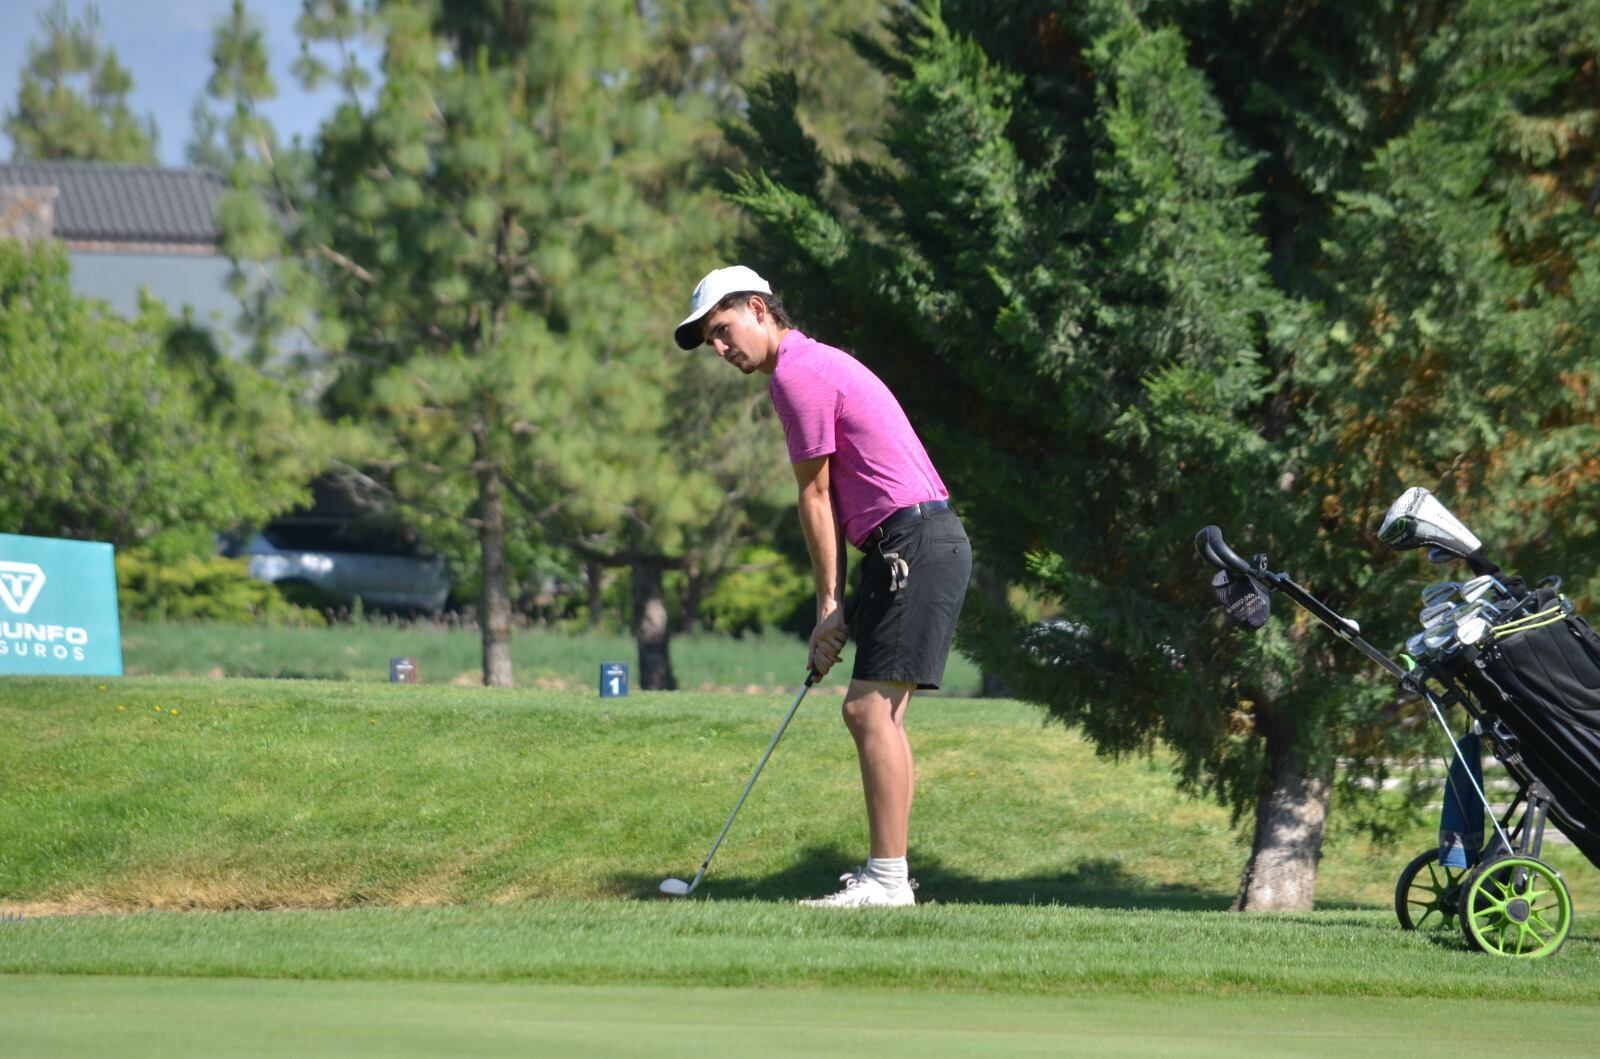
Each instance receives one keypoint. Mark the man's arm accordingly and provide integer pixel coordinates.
(825, 541)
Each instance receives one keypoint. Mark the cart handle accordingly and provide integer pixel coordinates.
(1214, 550)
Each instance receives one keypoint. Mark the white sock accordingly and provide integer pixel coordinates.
(890, 872)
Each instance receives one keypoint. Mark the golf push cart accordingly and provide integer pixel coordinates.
(1526, 669)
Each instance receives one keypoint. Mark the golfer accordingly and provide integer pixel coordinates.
(864, 477)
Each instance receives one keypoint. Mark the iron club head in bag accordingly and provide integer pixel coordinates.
(1440, 592)
(1439, 636)
(1431, 616)
(1479, 587)
(1478, 608)
(1472, 629)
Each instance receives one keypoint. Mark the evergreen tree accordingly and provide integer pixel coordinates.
(705, 58)
(202, 150)
(479, 251)
(54, 119)
(1129, 279)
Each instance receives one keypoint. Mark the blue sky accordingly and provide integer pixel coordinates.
(166, 45)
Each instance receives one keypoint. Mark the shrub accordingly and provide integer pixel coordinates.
(156, 582)
(762, 591)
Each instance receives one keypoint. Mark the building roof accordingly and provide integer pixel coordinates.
(125, 204)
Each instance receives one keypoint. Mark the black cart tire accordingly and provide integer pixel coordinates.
(1427, 894)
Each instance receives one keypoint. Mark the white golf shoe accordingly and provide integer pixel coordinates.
(863, 891)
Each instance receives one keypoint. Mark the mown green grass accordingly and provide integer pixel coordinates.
(137, 1017)
(262, 794)
(1010, 949)
(466, 871)
(360, 651)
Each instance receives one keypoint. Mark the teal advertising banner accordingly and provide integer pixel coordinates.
(58, 608)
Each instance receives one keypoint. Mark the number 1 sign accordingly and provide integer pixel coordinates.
(613, 679)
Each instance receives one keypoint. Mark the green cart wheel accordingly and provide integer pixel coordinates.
(1517, 907)
(1427, 895)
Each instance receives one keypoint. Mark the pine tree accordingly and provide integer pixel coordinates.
(54, 119)
(1129, 280)
(480, 251)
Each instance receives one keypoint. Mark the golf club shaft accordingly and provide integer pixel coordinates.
(1444, 726)
(811, 678)
(1341, 628)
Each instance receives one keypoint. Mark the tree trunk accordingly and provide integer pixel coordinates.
(694, 591)
(596, 576)
(650, 626)
(494, 606)
(1291, 818)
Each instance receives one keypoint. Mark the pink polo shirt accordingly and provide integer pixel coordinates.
(830, 404)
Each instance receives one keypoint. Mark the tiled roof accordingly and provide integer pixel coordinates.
(125, 203)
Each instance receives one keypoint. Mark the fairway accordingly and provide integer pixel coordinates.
(137, 1017)
(325, 868)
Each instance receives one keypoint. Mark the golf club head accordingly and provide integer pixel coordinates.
(1482, 608)
(1472, 629)
(1440, 592)
(1415, 647)
(1481, 587)
(1438, 637)
(1418, 520)
(675, 888)
(1431, 616)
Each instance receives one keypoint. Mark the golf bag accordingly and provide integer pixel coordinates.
(1526, 668)
(1534, 683)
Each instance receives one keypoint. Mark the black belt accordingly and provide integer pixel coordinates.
(906, 514)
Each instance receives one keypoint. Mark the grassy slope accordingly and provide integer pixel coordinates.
(303, 793)
(265, 795)
(541, 658)
(260, 794)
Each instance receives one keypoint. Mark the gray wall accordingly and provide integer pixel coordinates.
(199, 281)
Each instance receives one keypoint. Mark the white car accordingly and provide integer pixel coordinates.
(312, 554)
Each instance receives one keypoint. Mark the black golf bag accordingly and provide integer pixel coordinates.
(1535, 683)
(1529, 677)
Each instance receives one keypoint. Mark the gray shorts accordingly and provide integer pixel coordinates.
(903, 617)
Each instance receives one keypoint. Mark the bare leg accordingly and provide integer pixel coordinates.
(911, 769)
(874, 711)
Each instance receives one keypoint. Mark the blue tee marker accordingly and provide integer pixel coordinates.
(613, 680)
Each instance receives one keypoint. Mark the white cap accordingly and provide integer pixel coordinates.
(718, 284)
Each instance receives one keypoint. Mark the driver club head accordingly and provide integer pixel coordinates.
(675, 888)
(1418, 520)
